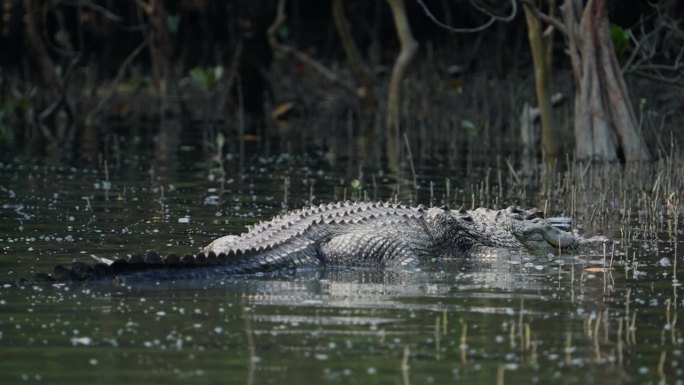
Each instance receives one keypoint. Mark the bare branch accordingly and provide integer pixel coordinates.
(366, 91)
(658, 50)
(301, 56)
(147, 7)
(117, 79)
(277, 22)
(676, 81)
(492, 18)
(493, 15)
(556, 23)
(93, 7)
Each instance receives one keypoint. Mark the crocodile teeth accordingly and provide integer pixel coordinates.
(188, 259)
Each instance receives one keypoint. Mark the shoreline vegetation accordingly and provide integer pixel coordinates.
(396, 78)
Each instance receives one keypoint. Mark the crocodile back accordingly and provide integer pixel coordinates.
(315, 223)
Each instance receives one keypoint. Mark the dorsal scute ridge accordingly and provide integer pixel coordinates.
(283, 228)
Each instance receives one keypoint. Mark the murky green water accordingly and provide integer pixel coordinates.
(506, 320)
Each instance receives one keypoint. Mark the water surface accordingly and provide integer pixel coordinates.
(579, 319)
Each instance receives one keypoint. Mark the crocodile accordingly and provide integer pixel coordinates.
(370, 234)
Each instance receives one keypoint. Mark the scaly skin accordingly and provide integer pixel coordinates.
(342, 234)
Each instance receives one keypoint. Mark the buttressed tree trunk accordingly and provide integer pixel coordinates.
(409, 46)
(605, 122)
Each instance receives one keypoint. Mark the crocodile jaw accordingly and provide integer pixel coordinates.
(542, 237)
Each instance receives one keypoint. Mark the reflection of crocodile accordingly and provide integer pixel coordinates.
(341, 234)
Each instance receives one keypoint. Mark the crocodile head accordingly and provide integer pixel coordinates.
(537, 235)
(511, 228)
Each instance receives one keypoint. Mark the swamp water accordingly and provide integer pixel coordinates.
(591, 318)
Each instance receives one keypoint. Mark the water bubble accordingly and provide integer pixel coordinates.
(85, 341)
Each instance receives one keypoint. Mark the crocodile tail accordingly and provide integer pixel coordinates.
(107, 269)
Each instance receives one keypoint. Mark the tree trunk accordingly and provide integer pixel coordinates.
(160, 50)
(409, 46)
(542, 80)
(58, 133)
(367, 90)
(605, 122)
(48, 71)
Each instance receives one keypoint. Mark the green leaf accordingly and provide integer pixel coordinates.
(62, 38)
(218, 73)
(220, 140)
(355, 184)
(283, 32)
(206, 79)
(173, 22)
(620, 38)
(199, 76)
(6, 135)
(469, 127)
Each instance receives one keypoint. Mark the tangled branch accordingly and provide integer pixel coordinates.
(492, 17)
